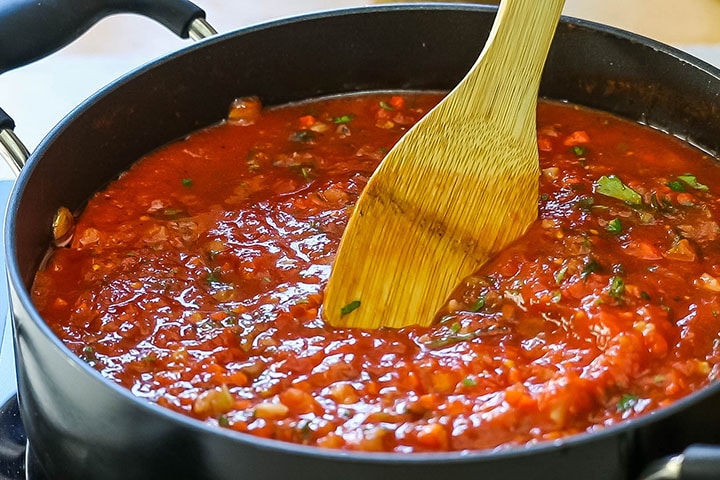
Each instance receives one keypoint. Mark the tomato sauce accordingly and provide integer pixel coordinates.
(196, 281)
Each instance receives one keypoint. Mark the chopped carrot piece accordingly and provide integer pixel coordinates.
(297, 400)
(578, 137)
(307, 120)
(397, 102)
(331, 440)
(237, 378)
(212, 403)
(433, 436)
(682, 251)
(544, 144)
(685, 199)
(643, 250)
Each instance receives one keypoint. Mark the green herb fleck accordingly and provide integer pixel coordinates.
(315, 225)
(223, 421)
(676, 186)
(187, 182)
(386, 106)
(214, 276)
(646, 218)
(304, 429)
(479, 304)
(173, 213)
(455, 327)
(149, 358)
(627, 401)
(578, 150)
(591, 266)
(451, 338)
(692, 182)
(350, 307)
(302, 136)
(614, 226)
(612, 186)
(560, 275)
(617, 287)
(88, 355)
(343, 118)
(585, 204)
(229, 321)
(469, 382)
(644, 295)
(447, 340)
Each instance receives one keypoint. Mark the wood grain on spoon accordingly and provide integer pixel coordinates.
(457, 188)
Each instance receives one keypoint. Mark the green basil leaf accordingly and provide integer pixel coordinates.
(612, 186)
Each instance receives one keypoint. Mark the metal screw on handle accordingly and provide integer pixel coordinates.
(668, 468)
(12, 151)
(696, 462)
(200, 29)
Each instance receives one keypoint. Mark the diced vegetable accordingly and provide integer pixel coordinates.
(245, 111)
(627, 401)
(614, 226)
(691, 181)
(613, 187)
(350, 307)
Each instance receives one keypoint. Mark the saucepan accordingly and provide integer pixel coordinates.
(82, 426)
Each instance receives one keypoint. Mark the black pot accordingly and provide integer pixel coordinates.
(82, 426)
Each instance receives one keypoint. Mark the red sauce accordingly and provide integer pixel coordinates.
(196, 278)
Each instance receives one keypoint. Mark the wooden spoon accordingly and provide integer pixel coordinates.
(457, 188)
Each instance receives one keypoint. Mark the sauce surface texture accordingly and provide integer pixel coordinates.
(195, 280)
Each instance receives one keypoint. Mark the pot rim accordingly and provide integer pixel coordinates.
(625, 427)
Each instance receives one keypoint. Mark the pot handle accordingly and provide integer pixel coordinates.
(700, 462)
(12, 150)
(697, 462)
(32, 29)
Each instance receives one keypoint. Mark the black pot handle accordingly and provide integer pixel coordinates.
(32, 29)
(697, 462)
(700, 462)
(6, 123)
